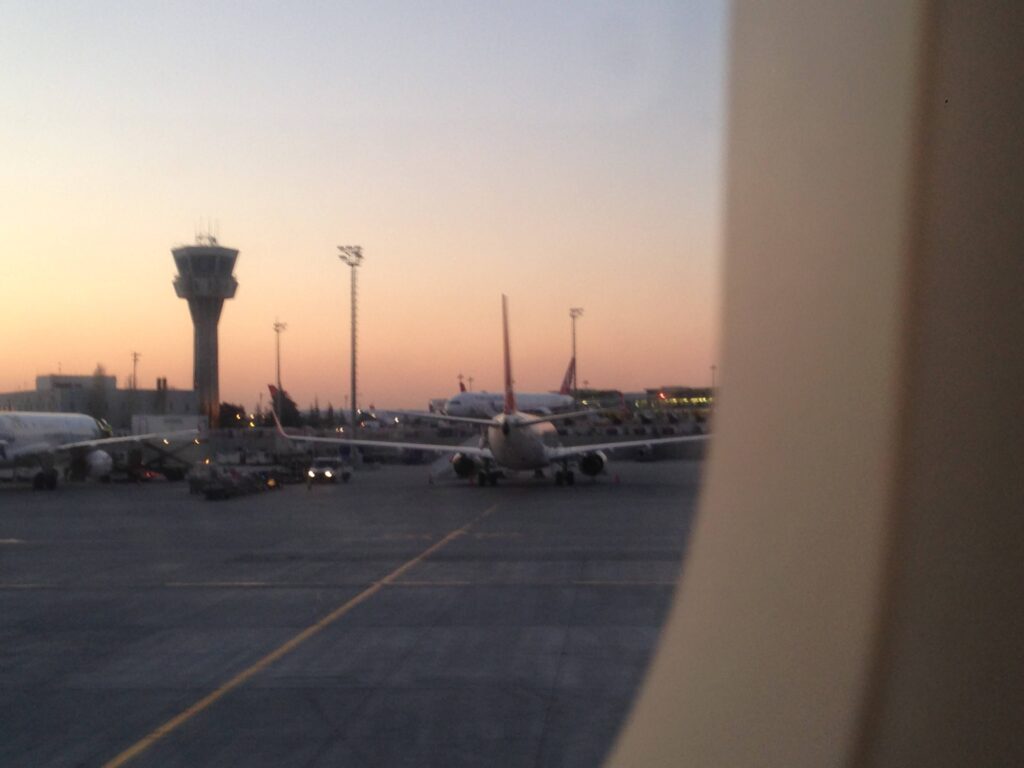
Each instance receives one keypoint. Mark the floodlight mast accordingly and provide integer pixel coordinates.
(135, 369)
(352, 255)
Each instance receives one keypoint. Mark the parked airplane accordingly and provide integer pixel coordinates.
(55, 442)
(486, 405)
(512, 439)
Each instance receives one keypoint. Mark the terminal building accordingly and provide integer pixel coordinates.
(665, 399)
(97, 395)
(675, 397)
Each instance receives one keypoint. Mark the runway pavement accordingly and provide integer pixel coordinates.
(384, 622)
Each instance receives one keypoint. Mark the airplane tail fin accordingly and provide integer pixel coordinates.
(566, 388)
(510, 396)
(462, 387)
(274, 392)
(277, 398)
(273, 408)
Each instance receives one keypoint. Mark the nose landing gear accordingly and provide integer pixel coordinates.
(45, 480)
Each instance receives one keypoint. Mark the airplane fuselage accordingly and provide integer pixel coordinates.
(484, 405)
(517, 446)
(26, 434)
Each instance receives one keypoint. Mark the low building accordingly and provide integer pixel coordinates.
(99, 396)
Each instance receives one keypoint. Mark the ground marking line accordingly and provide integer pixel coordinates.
(220, 584)
(183, 717)
(623, 583)
(270, 585)
(30, 585)
(436, 584)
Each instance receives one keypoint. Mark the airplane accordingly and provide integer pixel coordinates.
(52, 442)
(486, 405)
(512, 439)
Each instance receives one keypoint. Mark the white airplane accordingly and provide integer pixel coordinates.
(486, 405)
(52, 442)
(512, 440)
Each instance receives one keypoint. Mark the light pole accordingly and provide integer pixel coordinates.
(352, 255)
(574, 312)
(278, 328)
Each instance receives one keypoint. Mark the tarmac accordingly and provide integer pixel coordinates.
(384, 622)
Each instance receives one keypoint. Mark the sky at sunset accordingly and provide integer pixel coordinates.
(566, 154)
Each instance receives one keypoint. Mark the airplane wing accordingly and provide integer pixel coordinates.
(565, 451)
(102, 442)
(483, 453)
(44, 452)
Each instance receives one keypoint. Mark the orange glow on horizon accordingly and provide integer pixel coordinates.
(575, 165)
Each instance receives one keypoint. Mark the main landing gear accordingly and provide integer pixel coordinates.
(487, 475)
(565, 476)
(45, 480)
(486, 478)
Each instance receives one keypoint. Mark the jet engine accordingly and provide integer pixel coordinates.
(592, 464)
(463, 465)
(98, 464)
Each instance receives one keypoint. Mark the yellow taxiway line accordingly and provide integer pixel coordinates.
(181, 718)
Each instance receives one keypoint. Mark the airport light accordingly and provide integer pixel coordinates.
(714, 369)
(278, 328)
(574, 312)
(352, 255)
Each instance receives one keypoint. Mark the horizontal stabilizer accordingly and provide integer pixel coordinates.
(564, 416)
(443, 417)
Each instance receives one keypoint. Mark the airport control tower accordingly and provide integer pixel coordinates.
(205, 279)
